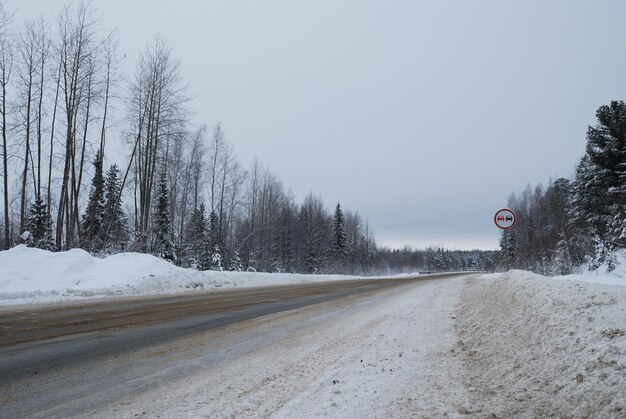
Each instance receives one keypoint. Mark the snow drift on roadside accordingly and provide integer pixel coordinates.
(537, 347)
(29, 275)
(601, 276)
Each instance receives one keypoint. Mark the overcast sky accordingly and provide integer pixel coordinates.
(422, 115)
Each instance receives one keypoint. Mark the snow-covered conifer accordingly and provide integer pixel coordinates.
(599, 189)
(114, 221)
(196, 235)
(91, 224)
(215, 245)
(40, 226)
(339, 232)
(163, 242)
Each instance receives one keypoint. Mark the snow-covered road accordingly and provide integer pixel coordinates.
(386, 354)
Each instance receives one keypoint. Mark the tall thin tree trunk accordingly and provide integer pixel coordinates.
(222, 193)
(69, 225)
(7, 235)
(54, 117)
(26, 154)
(106, 109)
(183, 210)
(63, 196)
(82, 159)
(135, 200)
(39, 111)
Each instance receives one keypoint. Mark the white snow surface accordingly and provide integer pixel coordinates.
(29, 275)
(600, 275)
(537, 347)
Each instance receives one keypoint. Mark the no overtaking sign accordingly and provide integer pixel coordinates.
(504, 219)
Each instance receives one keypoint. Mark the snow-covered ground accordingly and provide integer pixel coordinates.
(29, 275)
(513, 345)
(600, 275)
(533, 346)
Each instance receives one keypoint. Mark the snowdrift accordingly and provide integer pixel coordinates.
(539, 347)
(600, 275)
(29, 275)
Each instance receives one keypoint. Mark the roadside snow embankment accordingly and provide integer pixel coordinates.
(600, 275)
(29, 275)
(542, 347)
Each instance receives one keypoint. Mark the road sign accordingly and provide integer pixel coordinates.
(505, 219)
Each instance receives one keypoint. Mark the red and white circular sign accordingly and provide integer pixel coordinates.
(505, 218)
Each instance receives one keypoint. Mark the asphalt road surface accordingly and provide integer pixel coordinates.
(61, 361)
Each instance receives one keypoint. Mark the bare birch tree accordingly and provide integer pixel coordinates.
(76, 49)
(43, 50)
(6, 62)
(157, 105)
(28, 68)
(215, 155)
(52, 138)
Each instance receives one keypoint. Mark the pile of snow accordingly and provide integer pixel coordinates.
(29, 275)
(600, 275)
(538, 347)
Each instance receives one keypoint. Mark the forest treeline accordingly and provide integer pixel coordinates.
(575, 222)
(182, 194)
(434, 259)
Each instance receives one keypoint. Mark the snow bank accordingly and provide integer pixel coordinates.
(601, 276)
(538, 347)
(29, 275)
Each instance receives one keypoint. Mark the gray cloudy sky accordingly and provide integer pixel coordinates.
(423, 115)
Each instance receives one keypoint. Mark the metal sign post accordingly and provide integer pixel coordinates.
(505, 219)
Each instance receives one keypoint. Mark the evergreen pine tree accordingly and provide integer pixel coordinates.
(600, 190)
(215, 245)
(604, 254)
(40, 226)
(618, 226)
(581, 212)
(163, 242)
(235, 263)
(196, 236)
(339, 232)
(114, 221)
(562, 260)
(91, 224)
(508, 248)
(206, 255)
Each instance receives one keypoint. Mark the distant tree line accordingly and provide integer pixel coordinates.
(432, 259)
(579, 221)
